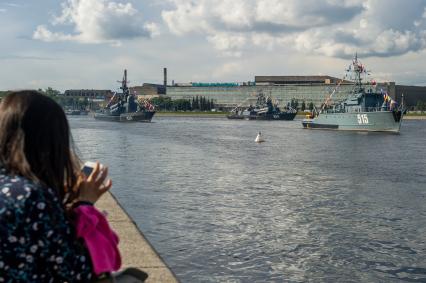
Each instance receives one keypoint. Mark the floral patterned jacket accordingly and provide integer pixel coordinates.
(37, 241)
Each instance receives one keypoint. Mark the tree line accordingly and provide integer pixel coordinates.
(294, 103)
(421, 106)
(197, 103)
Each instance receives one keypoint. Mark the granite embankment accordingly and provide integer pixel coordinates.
(135, 250)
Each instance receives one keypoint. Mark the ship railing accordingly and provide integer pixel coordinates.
(377, 109)
(367, 109)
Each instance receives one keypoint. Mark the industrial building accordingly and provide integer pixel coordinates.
(283, 89)
(148, 90)
(412, 95)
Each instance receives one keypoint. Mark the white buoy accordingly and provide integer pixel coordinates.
(259, 138)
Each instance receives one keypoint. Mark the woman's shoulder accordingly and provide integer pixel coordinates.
(20, 188)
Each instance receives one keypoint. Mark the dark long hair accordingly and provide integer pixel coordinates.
(35, 141)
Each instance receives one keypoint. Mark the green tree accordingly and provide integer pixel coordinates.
(83, 103)
(162, 103)
(294, 103)
(421, 106)
(182, 104)
(303, 107)
(311, 106)
(188, 105)
(202, 103)
(51, 92)
(197, 103)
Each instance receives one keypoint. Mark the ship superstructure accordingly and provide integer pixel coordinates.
(364, 109)
(264, 109)
(124, 107)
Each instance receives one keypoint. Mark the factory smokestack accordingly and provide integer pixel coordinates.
(165, 77)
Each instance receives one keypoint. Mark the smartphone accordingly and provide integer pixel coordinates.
(88, 168)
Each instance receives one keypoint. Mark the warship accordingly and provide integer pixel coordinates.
(363, 109)
(264, 109)
(124, 107)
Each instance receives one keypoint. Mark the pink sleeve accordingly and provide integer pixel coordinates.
(100, 239)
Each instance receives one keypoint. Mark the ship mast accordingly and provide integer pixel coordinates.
(124, 82)
(120, 96)
(358, 68)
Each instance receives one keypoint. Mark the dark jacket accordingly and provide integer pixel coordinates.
(37, 241)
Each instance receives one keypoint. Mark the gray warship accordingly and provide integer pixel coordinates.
(124, 107)
(264, 109)
(364, 109)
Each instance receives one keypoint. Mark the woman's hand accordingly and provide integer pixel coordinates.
(93, 187)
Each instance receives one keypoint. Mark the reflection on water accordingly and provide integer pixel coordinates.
(318, 206)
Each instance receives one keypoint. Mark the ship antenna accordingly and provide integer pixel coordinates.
(124, 83)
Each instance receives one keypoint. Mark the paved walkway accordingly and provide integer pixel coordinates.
(135, 249)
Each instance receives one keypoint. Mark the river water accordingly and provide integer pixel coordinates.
(306, 205)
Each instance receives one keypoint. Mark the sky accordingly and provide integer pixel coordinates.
(86, 44)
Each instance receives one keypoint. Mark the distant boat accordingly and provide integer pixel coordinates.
(259, 138)
(264, 109)
(72, 112)
(363, 109)
(124, 107)
(76, 112)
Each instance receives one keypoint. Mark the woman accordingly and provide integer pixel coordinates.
(40, 184)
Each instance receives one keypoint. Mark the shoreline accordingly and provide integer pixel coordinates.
(414, 117)
(223, 115)
(189, 114)
(136, 250)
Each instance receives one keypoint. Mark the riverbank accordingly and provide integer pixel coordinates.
(223, 115)
(415, 117)
(192, 114)
(135, 250)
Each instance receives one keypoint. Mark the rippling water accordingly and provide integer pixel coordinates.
(319, 206)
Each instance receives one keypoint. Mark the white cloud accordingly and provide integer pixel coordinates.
(188, 17)
(227, 70)
(97, 21)
(228, 44)
(14, 5)
(233, 13)
(327, 27)
(305, 14)
(42, 33)
(2, 10)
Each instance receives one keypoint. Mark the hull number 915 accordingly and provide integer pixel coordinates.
(362, 119)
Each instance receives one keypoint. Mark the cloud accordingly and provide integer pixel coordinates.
(336, 28)
(26, 57)
(44, 34)
(3, 10)
(229, 44)
(14, 5)
(227, 70)
(256, 15)
(97, 21)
